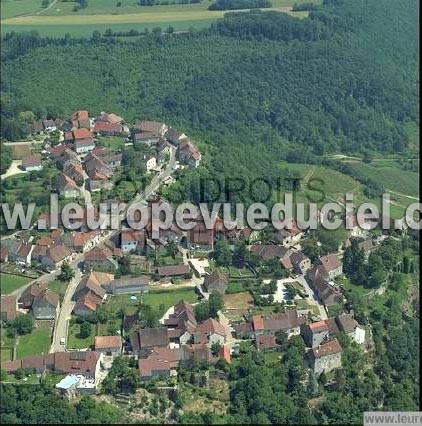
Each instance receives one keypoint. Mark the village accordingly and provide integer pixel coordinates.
(199, 295)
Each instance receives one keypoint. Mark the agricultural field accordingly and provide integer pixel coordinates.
(10, 282)
(101, 15)
(35, 343)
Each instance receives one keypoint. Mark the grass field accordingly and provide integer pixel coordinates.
(238, 300)
(11, 8)
(75, 342)
(10, 283)
(58, 287)
(103, 14)
(35, 343)
(169, 298)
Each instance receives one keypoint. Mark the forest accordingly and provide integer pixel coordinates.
(253, 88)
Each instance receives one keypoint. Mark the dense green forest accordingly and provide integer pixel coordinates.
(254, 89)
(239, 4)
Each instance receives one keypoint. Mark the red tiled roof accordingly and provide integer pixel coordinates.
(329, 348)
(105, 342)
(8, 307)
(32, 161)
(102, 126)
(318, 327)
(82, 134)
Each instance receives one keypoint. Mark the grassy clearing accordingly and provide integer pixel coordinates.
(238, 300)
(58, 287)
(32, 379)
(10, 282)
(169, 298)
(35, 343)
(75, 342)
(115, 143)
(6, 354)
(11, 8)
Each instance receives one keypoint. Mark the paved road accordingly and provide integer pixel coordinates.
(322, 311)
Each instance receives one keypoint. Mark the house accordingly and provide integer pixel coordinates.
(84, 146)
(326, 291)
(265, 341)
(151, 126)
(290, 235)
(94, 165)
(8, 308)
(100, 260)
(75, 171)
(55, 256)
(199, 237)
(315, 333)
(109, 118)
(189, 154)
(67, 187)
(209, 332)
(80, 119)
(28, 296)
(46, 305)
(300, 263)
(66, 158)
(163, 150)
(216, 281)
(112, 160)
(32, 163)
(87, 305)
(82, 241)
(39, 252)
(132, 240)
(146, 138)
(84, 363)
(159, 364)
(175, 136)
(23, 255)
(107, 129)
(148, 162)
(326, 357)
(330, 266)
(243, 330)
(94, 282)
(288, 321)
(129, 285)
(97, 182)
(144, 340)
(173, 271)
(268, 252)
(110, 345)
(181, 323)
(350, 326)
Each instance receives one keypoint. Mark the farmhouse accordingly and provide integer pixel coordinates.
(173, 270)
(189, 154)
(67, 187)
(132, 240)
(55, 256)
(288, 321)
(151, 126)
(100, 260)
(28, 296)
(144, 340)
(315, 333)
(175, 136)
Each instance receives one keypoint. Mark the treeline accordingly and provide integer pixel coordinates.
(255, 89)
(303, 7)
(34, 404)
(239, 4)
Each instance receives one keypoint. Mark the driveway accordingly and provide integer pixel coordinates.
(14, 169)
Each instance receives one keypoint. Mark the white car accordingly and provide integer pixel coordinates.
(63, 341)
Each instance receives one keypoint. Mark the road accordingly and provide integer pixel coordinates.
(322, 311)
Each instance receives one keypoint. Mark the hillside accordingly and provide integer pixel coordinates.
(252, 89)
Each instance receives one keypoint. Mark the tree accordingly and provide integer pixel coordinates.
(172, 249)
(223, 254)
(216, 348)
(66, 273)
(215, 303)
(85, 330)
(22, 324)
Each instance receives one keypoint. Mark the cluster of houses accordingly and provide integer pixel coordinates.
(82, 161)
(43, 303)
(180, 338)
